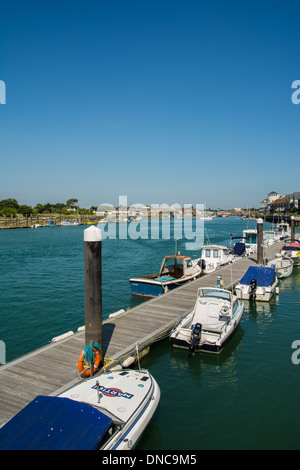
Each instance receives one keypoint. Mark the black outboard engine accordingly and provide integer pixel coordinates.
(195, 338)
(252, 289)
(202, 263)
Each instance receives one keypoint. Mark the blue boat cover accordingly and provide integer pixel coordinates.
(164, 278)
(239, 249)
(54, 423)
(264, 276)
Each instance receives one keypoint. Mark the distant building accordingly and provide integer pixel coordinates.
(265, 204)
(278, 205)
(293, 202)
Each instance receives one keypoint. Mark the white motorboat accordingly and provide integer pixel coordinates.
(106, 412)
(67, 223)
(291, 249)
(36, 226)
(250, 237)
(258, 283)
(214, 257)
(213, 320)
(284, 230)
(283, 266)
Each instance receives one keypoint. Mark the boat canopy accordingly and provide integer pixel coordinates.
(239, 249)
(55, 423)
(264, 276)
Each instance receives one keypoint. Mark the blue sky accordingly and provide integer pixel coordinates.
(161, 101)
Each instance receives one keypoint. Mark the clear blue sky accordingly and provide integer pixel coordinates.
(162, 101)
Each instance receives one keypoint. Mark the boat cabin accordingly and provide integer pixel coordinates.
(250, 236)
(214, 256)
(176, 266)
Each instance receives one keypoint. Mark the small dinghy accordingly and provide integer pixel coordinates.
(259, 283)
(283, 266)
(106, 412)
(213, 320)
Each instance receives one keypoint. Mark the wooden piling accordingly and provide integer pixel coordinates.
(93, 286)
(292, 227)
(260, 235)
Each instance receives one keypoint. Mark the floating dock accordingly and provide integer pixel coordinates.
(53, 368)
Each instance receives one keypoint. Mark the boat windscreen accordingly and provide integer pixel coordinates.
(216, 293)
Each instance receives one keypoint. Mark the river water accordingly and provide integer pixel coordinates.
(246, 398)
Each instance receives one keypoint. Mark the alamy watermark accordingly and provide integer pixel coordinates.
(296, 355)
(2, 92)
(157, 221)
(296, 94)
(2, 352)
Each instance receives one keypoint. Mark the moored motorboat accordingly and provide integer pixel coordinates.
(214, 257)
(51, 223)
(283, 266)
(175, 271)
(67, 223)
(210, 324)
(291, 249)
(258, 283)
(106, 412)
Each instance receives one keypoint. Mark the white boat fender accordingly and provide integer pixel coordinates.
(277, 290)
(115, 314)
(59, 338)
(128, 362)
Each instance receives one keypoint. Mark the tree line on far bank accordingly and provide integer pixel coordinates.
(11, 208)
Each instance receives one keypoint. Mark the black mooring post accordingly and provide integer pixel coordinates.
(93, 286)
(260, 237)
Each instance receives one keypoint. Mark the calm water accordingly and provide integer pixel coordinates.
(247, 398)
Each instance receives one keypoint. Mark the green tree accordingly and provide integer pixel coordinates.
(25, 210)
(72, 202)
(12, 203)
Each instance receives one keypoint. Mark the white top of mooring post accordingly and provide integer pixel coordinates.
(92, 234)
(260, 221)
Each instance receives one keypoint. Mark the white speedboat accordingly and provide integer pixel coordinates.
(175, 271)
(67, 223)
(214, 318)
(214, 257)
(36, 226)
(258, 283)
(107, 412)
(284, 230)
(283, 266)
(291, 249)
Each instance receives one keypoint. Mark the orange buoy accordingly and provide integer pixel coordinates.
(84, 366)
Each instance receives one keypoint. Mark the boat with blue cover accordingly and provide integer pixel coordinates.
(175, 271)
(258, 283)
(51, 223)
(211, 323)
(106, 412)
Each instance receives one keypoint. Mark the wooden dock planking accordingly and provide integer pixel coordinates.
(52, 368)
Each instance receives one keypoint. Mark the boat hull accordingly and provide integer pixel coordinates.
(152, 288)
(263, 294)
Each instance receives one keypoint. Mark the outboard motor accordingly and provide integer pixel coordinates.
(195, 338)
(252, 289)
(202, 263)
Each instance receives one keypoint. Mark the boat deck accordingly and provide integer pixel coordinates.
(53, 368)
